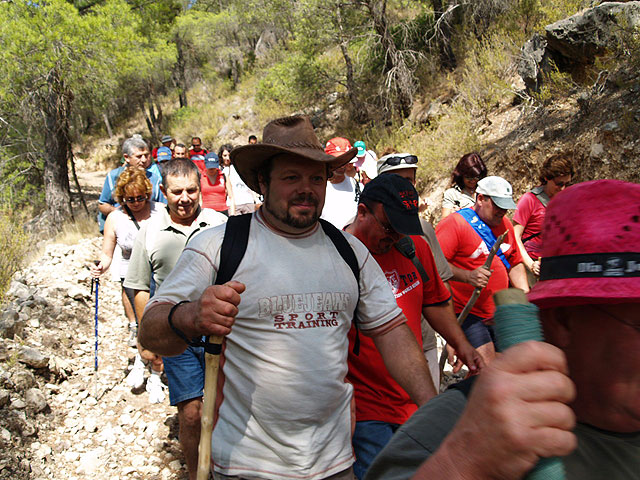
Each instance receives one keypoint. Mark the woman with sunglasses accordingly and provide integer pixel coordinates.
(133, 192)
(462, 194)
(555, 175)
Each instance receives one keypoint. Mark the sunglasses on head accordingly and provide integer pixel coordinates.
(408, 159)
(138, 199)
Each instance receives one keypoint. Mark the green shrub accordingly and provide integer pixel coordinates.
(488, 71)
(297, 81)
(13, 244)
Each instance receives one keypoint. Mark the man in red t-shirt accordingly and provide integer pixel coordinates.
(388, 209)
(466, 252)
(196, 151)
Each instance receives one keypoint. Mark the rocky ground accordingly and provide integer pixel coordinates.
(58, 418)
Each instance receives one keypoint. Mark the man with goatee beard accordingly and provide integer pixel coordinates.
(283, 404)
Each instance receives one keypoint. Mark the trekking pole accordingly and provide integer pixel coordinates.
(95, 283)
(212, 361)
(474, 296)
(516, 322)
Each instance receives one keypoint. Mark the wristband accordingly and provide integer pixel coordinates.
(175, 329)
(210, 348)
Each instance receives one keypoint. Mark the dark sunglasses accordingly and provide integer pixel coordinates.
(561, 184)
(408, 159)
(138, 199)
(387, 229)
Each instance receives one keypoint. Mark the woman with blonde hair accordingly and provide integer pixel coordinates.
(133, 193)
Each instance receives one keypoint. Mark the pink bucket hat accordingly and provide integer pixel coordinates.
(591, 246)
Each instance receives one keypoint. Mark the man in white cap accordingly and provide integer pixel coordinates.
(283, 404)
(466, 238)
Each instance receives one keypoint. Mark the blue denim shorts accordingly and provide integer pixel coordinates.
(185, 374)
(369, 438)
(477, 332)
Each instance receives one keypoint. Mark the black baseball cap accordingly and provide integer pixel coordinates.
(399, 200)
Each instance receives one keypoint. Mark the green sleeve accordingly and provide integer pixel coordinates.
(418, 438)
(139, 272)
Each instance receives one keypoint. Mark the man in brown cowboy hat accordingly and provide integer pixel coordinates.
(577, 396)
(283, 406)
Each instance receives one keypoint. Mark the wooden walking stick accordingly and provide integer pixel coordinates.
(212, 361)
(474, 296)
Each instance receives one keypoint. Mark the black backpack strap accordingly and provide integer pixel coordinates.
(348, 255)
(407, 248)
(234, 245)
(130, 213)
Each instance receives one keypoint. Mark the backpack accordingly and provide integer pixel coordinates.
(234, 246)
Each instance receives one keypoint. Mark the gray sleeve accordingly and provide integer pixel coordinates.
(418, 438)
(444, 270)
(139, 272)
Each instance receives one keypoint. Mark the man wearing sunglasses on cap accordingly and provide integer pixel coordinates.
(388, 210)
(406, 165)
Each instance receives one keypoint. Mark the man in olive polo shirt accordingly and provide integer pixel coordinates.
(155, 252)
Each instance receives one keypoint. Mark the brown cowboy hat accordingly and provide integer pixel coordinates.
(284, 135)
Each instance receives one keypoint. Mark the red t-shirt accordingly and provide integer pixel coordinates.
(463, 248)
(201, 153)
(214, 195)
(378, 396)
(530, 214)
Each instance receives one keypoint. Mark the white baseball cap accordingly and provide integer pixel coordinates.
(499, 190)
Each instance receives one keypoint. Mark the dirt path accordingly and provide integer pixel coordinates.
(93, 425)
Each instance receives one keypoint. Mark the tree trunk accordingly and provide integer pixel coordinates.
(398, 77)
(358, 112)
(443, 36)
(181, 78)
(56, 109)
(107, 124)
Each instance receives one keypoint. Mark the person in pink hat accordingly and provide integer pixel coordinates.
(577, 396)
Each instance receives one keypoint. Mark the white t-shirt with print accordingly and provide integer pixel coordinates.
(284, 404)
(340, 202)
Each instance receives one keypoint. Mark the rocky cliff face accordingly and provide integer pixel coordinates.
(58, 419)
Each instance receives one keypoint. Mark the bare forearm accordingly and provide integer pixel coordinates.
(140, 299)
(518, 277)
(405, 362)
(156, 335)
(106, 208)
(460, 274)
(443, 321)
